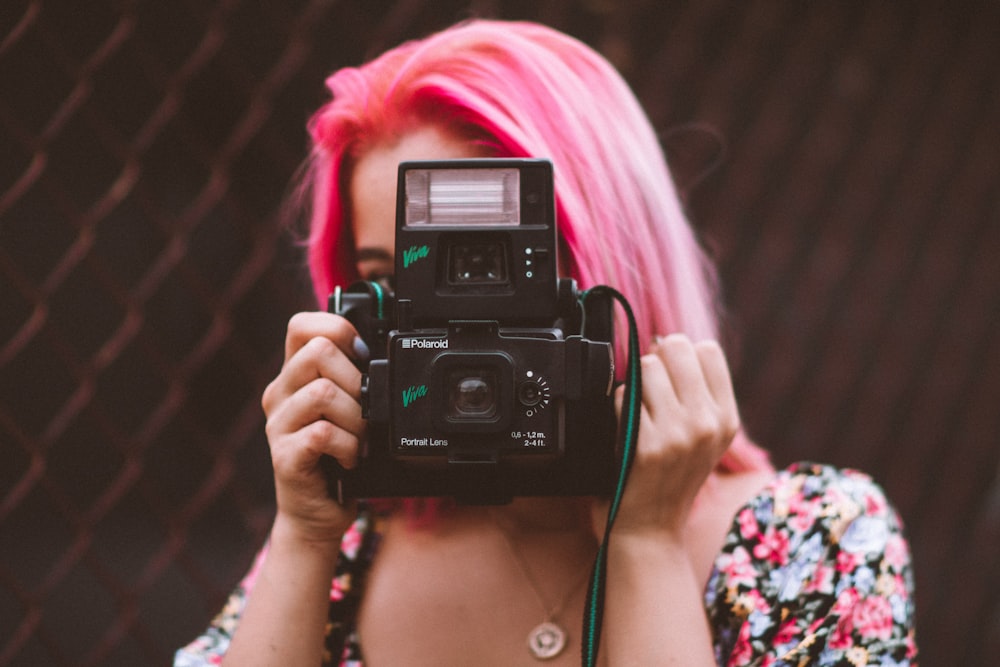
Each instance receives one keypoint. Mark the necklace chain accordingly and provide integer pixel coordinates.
(548, 638)
(522, 564)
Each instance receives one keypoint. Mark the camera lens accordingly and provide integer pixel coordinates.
(472, 396)
(529, 393)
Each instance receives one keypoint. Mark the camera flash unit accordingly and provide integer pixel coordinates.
(461, 197)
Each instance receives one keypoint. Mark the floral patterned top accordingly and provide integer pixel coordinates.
(815, 571)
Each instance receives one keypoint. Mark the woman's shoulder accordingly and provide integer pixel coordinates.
(811, 506)
(814, 493)
(815, 563)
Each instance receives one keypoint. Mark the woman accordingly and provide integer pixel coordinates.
(715, 558)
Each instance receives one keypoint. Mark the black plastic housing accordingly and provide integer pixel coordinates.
(482, 392)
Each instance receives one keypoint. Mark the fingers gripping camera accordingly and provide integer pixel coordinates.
(487, 379)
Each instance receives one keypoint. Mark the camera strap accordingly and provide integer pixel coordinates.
(593, 613)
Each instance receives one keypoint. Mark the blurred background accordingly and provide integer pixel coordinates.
(841, 159)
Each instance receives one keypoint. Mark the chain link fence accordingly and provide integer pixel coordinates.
(146, 275)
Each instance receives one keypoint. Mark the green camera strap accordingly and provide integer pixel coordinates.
(379, 299)
(593, 614)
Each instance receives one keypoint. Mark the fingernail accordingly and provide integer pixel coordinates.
(361, 351)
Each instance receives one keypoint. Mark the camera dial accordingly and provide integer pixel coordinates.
(533, 391)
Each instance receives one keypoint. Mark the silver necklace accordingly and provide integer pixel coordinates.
(547, 639)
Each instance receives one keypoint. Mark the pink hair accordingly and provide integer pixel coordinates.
(524, 90)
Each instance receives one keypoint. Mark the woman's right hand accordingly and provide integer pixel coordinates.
(313, 409)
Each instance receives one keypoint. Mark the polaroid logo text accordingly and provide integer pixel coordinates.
(425, 344)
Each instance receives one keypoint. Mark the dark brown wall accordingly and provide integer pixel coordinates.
(145, 149)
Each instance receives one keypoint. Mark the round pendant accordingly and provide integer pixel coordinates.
(547, 640)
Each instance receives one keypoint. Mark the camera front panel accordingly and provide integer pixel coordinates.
(474, 395)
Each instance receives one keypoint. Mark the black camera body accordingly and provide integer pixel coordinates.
(488, 378)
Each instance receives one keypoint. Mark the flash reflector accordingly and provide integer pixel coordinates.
(460, 197)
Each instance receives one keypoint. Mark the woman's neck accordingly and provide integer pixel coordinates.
(541, 515)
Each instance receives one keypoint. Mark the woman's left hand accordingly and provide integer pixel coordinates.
(689, 418)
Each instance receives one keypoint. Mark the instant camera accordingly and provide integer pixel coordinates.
(489, 378)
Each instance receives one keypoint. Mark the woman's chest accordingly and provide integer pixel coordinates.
(470, 596)
(473, 601)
